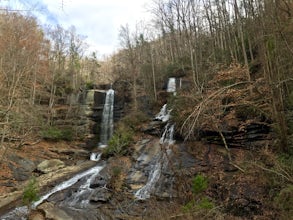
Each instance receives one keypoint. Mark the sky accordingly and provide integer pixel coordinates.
(98, 20)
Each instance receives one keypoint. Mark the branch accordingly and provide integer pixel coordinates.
(288, 178)
(199, 108)
(228, 151)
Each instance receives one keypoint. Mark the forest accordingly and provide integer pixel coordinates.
(235, 59)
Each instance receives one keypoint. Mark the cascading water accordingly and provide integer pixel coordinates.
(167, 136)
(164, 114)
(161, 161)
(88, 175)
(145, 192)
(107, 124)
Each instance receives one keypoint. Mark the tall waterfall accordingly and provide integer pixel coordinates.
(107, 124)
(171, 87)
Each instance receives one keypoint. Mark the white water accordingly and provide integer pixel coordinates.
(164, 114)
(167, 136)
(145, 192)
(95, 156)
(77, 198)
(93, 171)
(161, 161)
(20, 213)
(107, 124)
(171, 87)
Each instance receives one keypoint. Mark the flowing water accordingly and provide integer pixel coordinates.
(164, 114)
(167, 136)
(107, 124)
(171, 87)
(145, 192)
(86, 174)
(161, 160)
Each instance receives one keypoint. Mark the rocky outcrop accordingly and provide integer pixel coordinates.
(249, 136)
(48, 166)
(21, 167)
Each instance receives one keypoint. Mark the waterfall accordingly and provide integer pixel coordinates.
(88, 173)
(107, 124)
(95, 156)
(167, 136)
(161, 161)
(145, 192)
(164, 114)
(171, 87)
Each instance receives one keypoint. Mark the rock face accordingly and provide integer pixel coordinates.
(92, 104)
(48, 166)
(22, 167)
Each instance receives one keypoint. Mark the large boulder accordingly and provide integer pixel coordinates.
(48, 166)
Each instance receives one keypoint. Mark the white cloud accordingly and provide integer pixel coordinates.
(99, 20)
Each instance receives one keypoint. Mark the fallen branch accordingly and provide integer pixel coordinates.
(191, 121)
(228, 152)
(288, 178)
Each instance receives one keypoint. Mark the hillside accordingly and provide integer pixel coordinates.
(221, 147)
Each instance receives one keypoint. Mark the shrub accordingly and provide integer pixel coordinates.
(89, 85)
(56, 134)
(67, 134)
(119, 143)
(205, 203)
(31, 192)
(116, 180)
(199, 184)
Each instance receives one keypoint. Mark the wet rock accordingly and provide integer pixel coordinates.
(48, 166)
(98, 182)
(154, 128)
(100, 195)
